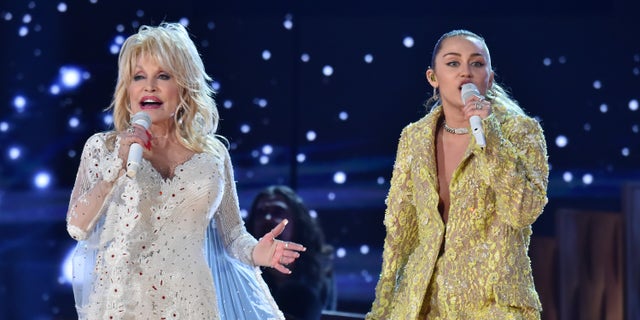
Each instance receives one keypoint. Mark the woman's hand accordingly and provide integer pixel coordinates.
(270, 252)
(476, 106)
(134, 134)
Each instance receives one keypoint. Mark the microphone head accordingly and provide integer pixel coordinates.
(469, 90)
(141, 118)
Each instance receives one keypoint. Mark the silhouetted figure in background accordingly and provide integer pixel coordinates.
(310, 287)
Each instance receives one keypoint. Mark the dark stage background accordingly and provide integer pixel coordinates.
(312, 94)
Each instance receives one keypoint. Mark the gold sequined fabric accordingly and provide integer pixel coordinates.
(483, 270)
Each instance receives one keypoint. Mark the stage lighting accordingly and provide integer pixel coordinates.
(339, 177)
(42, 180)
(19, 103)
(66, 268)
(562, 141)
(567, 176)
(14, 153)
(408, 42)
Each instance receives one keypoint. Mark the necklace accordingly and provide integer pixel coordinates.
(454, 130)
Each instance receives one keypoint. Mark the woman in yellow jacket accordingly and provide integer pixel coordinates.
(459, 211)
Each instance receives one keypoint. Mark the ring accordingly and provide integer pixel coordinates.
(286, 244)
(131, 129)
(478, 105)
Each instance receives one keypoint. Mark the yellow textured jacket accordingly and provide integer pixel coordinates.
(496, 194)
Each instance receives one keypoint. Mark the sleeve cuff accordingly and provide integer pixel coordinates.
(76, 233)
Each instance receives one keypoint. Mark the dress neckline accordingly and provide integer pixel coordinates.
(176, 170)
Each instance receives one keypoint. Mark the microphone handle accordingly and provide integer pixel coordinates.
(477, 130)
(134, 159)
(135, 150)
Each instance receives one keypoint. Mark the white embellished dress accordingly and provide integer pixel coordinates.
(156, 248)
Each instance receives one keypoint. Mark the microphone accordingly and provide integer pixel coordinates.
(469, 90)
(135, 150)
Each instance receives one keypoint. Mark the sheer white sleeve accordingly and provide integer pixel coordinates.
(96, 180)
(99, 168)
(238, 242)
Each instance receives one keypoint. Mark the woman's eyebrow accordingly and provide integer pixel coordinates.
(476, 54)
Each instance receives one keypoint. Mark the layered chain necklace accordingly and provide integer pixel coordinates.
(454, 130)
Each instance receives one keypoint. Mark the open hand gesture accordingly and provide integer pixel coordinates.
(271, 252)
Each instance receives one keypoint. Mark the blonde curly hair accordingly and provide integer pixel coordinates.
(169, 44)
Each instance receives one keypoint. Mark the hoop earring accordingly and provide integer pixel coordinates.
(178, 116)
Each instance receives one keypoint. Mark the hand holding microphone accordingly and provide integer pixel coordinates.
(468, 91)
(135, 150)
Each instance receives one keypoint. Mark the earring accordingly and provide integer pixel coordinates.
(433, 77)
(177, 117)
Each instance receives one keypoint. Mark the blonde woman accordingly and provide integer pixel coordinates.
(167, 242)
